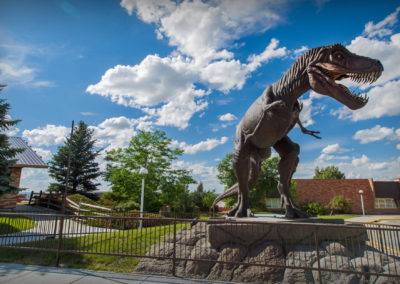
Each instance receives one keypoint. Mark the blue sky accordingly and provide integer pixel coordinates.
(192, 69)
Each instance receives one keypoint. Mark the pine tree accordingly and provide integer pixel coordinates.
(6, 152)
(83, 168)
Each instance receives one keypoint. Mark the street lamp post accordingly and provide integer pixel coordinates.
(143, 171)
(362, 201)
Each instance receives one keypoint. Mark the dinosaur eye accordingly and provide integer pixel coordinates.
(339, 56)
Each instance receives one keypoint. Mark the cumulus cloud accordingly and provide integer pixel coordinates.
(202, 172)
(43, 153)
(383, 101)
(334, 149)
(168, 89)
(398, 146)
(382, 28)
(115, 132)
(376, 133)
(202, 146)
(360, 161)
(271, 51)
(211, 26)
(49, 135)
(227, 117)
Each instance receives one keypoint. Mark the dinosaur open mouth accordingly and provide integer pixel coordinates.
(334, 75)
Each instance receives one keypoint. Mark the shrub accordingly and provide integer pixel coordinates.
(127, 206)
(314, 208)
(339, 204)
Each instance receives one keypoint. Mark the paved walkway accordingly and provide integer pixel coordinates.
(385, 219)
(47, 225)
(19, 274)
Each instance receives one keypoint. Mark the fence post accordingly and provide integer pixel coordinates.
(317, 250)
(30, 198)
(79, 207)
(48, 200)
(174, 252)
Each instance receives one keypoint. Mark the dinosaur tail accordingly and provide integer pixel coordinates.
(233, 190)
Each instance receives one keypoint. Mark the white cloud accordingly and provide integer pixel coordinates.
(211, 26)
(356, 167)
(161, 87)
(166, 88)
(300, 51)
(202, 172)
(376, 133)
(398, 146)
(306, 113)
(14, 68)
(12, 131)
(384, 101)
(271, 51)
(360, 161)
(227, 117)
(44, 154)
(115, 132)
(49, 135)
(202, 146)
(35, 179)
(87, 113)
(334, 149)
(382, 28)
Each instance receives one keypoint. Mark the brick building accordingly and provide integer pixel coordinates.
(26, 159)
(379, 197)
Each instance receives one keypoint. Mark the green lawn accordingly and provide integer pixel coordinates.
(15, 224)
(338, 216)
(123, 242)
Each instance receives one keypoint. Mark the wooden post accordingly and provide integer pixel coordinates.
(60, 233)
(30, 198)
(79, 207)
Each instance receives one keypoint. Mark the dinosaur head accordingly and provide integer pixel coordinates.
(334, 63)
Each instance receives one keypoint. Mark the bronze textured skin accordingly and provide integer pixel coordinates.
(271, 117)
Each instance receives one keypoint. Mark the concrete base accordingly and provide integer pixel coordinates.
(286, 232)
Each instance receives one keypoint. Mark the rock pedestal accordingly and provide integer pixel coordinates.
(240, 252)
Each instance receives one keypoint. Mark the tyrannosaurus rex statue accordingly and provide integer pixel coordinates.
(270, 118)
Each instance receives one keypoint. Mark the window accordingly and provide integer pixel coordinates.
(385, 203)
(273, 203)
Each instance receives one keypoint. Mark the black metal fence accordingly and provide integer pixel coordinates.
(218, 249)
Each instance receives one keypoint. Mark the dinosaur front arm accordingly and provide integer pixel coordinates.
(306, 131)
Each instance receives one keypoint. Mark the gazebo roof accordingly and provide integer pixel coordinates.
(28, 158)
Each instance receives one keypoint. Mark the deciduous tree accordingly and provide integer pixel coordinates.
(330, 172)
(164, 183)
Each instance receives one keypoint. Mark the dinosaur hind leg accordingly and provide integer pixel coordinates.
(288, 151)
(247, 165)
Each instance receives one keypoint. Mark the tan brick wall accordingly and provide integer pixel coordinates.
(16, 175)
(8, 200)
(323, 191)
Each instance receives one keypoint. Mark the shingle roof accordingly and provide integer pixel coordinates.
(28, 158)
(387, 189)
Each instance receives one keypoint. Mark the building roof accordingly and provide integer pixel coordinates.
(28, 158)
(387, 189)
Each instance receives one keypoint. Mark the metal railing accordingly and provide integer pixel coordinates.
(319, 252)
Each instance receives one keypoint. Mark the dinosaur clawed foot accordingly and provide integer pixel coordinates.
(240, 212)
(295, 213)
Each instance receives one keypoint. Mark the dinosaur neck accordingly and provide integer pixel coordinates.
(290, 88)
(295, 81)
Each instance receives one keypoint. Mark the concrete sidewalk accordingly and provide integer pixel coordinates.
(386, 219)
(20, 274)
